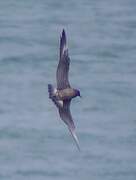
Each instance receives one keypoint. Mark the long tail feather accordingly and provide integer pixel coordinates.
(72, 131)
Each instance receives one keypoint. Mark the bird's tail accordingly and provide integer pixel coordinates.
(73, 133)
(51, 90)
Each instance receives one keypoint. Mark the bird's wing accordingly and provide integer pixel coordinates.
(52, 91)
(66, 116)
(63, 66)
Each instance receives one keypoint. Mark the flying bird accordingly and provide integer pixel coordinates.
(64, 93)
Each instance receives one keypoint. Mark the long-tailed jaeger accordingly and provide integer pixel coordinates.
(63, 94)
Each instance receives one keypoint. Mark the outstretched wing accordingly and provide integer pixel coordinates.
(63, 66)
(66, 116)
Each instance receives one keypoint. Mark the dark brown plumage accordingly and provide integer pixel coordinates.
(66, 94)
(63, 95)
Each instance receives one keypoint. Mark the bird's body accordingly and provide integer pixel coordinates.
(63, 94)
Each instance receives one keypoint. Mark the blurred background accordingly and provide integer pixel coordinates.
(34, 143)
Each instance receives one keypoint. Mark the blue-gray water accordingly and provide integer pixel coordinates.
(34, 143)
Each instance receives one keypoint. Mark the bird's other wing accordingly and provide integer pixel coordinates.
(66, 116)
(63, 66)
(52, 92)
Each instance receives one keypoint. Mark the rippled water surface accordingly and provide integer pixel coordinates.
(34, 143)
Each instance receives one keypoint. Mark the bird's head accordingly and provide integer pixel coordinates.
(78, 93)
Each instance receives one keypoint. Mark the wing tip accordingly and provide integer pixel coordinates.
(63, 32)
(63, 42)
(72, 131)
(63, 37)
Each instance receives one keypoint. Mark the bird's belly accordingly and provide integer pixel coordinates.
(66, 94)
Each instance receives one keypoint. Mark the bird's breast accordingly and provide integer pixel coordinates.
(66, 94)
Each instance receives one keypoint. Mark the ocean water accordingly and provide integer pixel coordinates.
(34, 143)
